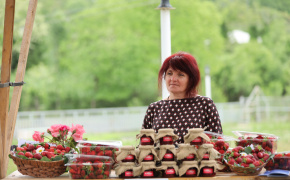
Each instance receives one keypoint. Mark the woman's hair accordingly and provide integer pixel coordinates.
(186, 63)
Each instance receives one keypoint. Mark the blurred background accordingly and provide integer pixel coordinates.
(96, 62)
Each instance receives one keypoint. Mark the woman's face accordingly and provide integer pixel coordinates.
(176, 81)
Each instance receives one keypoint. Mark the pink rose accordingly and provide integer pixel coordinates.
(64, 130)
(77, 132)
(54, 129)
(37, 136)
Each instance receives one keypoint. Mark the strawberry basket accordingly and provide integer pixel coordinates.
(246, 171)
(39, 169)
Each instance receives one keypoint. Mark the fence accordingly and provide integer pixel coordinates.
(130, 118)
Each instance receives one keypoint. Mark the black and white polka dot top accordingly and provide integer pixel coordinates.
(183, 114)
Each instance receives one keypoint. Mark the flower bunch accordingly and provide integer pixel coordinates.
(61, 135)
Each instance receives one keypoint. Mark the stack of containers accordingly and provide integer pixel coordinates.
(126, 158)
(158, 156)
(207, 165)
(95, 160)
(146, 157)
(167, 153)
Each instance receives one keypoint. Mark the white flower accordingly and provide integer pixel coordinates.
(243, 154)
(39, 150)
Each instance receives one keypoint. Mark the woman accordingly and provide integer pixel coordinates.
(183, 109)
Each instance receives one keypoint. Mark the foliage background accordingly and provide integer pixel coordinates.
(106, 53)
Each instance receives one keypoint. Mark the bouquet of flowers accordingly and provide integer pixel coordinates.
(63, 139)
(61, 135)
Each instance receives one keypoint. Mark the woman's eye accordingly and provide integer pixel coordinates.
(169, 73)
(181, 74)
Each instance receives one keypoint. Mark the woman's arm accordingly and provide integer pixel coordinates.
(148, 119)
(213, 122)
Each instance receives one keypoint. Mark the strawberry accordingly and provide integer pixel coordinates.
(72, 171)
(287, 154)
(60, 147)
(101, 153)
(256, 163)
(46, 146)
(92, 175)
(107, 173)
(108, 153)
(28, 154)
(49, 155)
(37, 156)
(67, 149)
(30, 147)
(100, 165)
(266, 156)
(260, 155)
(21, 153)
(92, 153)
(236, 154)
(83, 173)
(239, 160)
(249, 161)
(232, 162)
(221, 151)
(245, 165)
(90, 168)
(38, 146)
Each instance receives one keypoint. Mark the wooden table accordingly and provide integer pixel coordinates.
(219, 176)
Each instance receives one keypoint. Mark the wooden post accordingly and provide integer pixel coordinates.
(5, 77)
(14, 106)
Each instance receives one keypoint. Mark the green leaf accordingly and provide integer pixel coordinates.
(248, 150)
(65, 159)
(44, 158)
(10, 156)
(57, 158)
(22, 157)
(252, 165)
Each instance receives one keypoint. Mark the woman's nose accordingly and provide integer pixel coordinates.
(173, 78)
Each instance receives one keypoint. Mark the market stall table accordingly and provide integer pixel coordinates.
(219, 176)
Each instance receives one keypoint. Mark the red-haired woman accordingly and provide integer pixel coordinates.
(183, 109)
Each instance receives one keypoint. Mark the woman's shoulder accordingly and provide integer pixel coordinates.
(203, 98)
(156, 104)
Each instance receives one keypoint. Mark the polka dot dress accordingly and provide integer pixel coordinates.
(183, 114)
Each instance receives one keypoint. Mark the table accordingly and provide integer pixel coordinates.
(219, 176)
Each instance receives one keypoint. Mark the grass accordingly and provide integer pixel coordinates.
(278, 128)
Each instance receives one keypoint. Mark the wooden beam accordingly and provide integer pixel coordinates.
(5, 77)
(16, 95)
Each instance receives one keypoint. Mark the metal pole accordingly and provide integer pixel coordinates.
(207, 82)
(165, 8)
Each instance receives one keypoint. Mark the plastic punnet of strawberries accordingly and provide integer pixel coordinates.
(63, 140)
(267, 141)
(251, 158)
(82, 166)
(281, 160)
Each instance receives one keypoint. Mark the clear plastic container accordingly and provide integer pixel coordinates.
(89, 170)
(221, 142)
(81, 158)
(267, 141)
(99, 148)
(281, 160)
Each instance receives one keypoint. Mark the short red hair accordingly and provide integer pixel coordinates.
(186, 63)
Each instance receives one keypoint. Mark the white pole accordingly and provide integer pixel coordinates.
(165, 37)
(207, 82)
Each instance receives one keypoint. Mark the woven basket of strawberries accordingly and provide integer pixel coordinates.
(47, 159)
(37, 161)
(247, 161)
